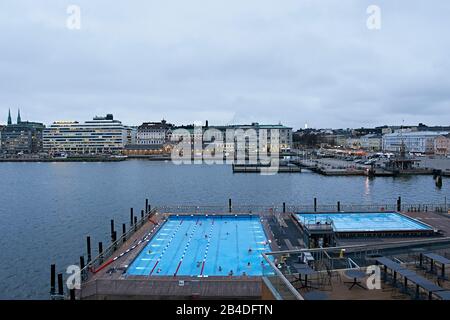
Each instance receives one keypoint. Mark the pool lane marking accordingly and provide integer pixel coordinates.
(165, 248)
(185, 249)
(207, 247)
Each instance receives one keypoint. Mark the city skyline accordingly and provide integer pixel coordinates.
(293, 63)
(203, 122)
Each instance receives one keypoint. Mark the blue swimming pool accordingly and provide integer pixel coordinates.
(205, 246)
(357, 222)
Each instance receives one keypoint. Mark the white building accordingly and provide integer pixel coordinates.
(353, 143)
(442, 145)
(131, 135)
(102, 135)
(154, 133)
(415, 141)
(371, 142)
(1, 128)
(283, 144)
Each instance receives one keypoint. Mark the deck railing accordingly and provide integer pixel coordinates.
(270, 209)
(98, 260)
(341, 258)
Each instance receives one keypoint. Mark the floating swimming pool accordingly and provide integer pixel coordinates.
(205, 246)
(365, 222)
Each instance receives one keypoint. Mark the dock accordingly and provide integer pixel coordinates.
(254, 168)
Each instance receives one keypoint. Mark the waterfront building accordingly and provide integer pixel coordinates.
(371, 142)
(262, 132)
(102, 135)
(353, 143)
(1, 129)
(146, 150)
(340, 139)
(154, 133)
(23, 137)
(131, 135)
(442, 145)
(413, 141)
(151, 139)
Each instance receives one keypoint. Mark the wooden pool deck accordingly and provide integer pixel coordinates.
(111, 282)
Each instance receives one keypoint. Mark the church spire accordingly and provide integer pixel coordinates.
(9, 117)
(18, 117)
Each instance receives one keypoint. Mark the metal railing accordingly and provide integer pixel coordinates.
(346, 255)
(269, 209)
(98, 260)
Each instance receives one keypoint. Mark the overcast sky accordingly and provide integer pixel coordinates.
(234, 61)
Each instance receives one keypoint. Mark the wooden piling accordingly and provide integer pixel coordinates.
(112, 230)
(399, 204)
(338, 206)
(229, 206)
(439, 181)
(146, 205)
(60, 284)
(100, 248)
(115, 241)
(124, 231)
(52, 279)
(72, 294)
(82, 264)
(142, 214)
(315, 204)
(284, 207)
(131, 217)
(88, 245)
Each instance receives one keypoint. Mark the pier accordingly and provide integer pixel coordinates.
(259, 168)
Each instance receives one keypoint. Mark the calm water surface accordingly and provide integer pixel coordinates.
(47, 209)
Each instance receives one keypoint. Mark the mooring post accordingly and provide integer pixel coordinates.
(112, 229)
(100, 249)
(146, 205)
(229, 205)
(142, 214)
(115, 240)
(149, 208)
(339, 206)
(124, 231)
(439, 181)
(52, 279)
(399, 204)
(135, 223)
(284, 207)
(88, 244)
(315, 204)
(131, 217)
(72, 294)
(60, 284)
(82, 264)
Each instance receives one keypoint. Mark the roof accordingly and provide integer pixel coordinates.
(417, 133)
(155, 125)
(372, 135)
(239, 126)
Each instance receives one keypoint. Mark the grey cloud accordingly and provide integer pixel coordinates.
(267, 61)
